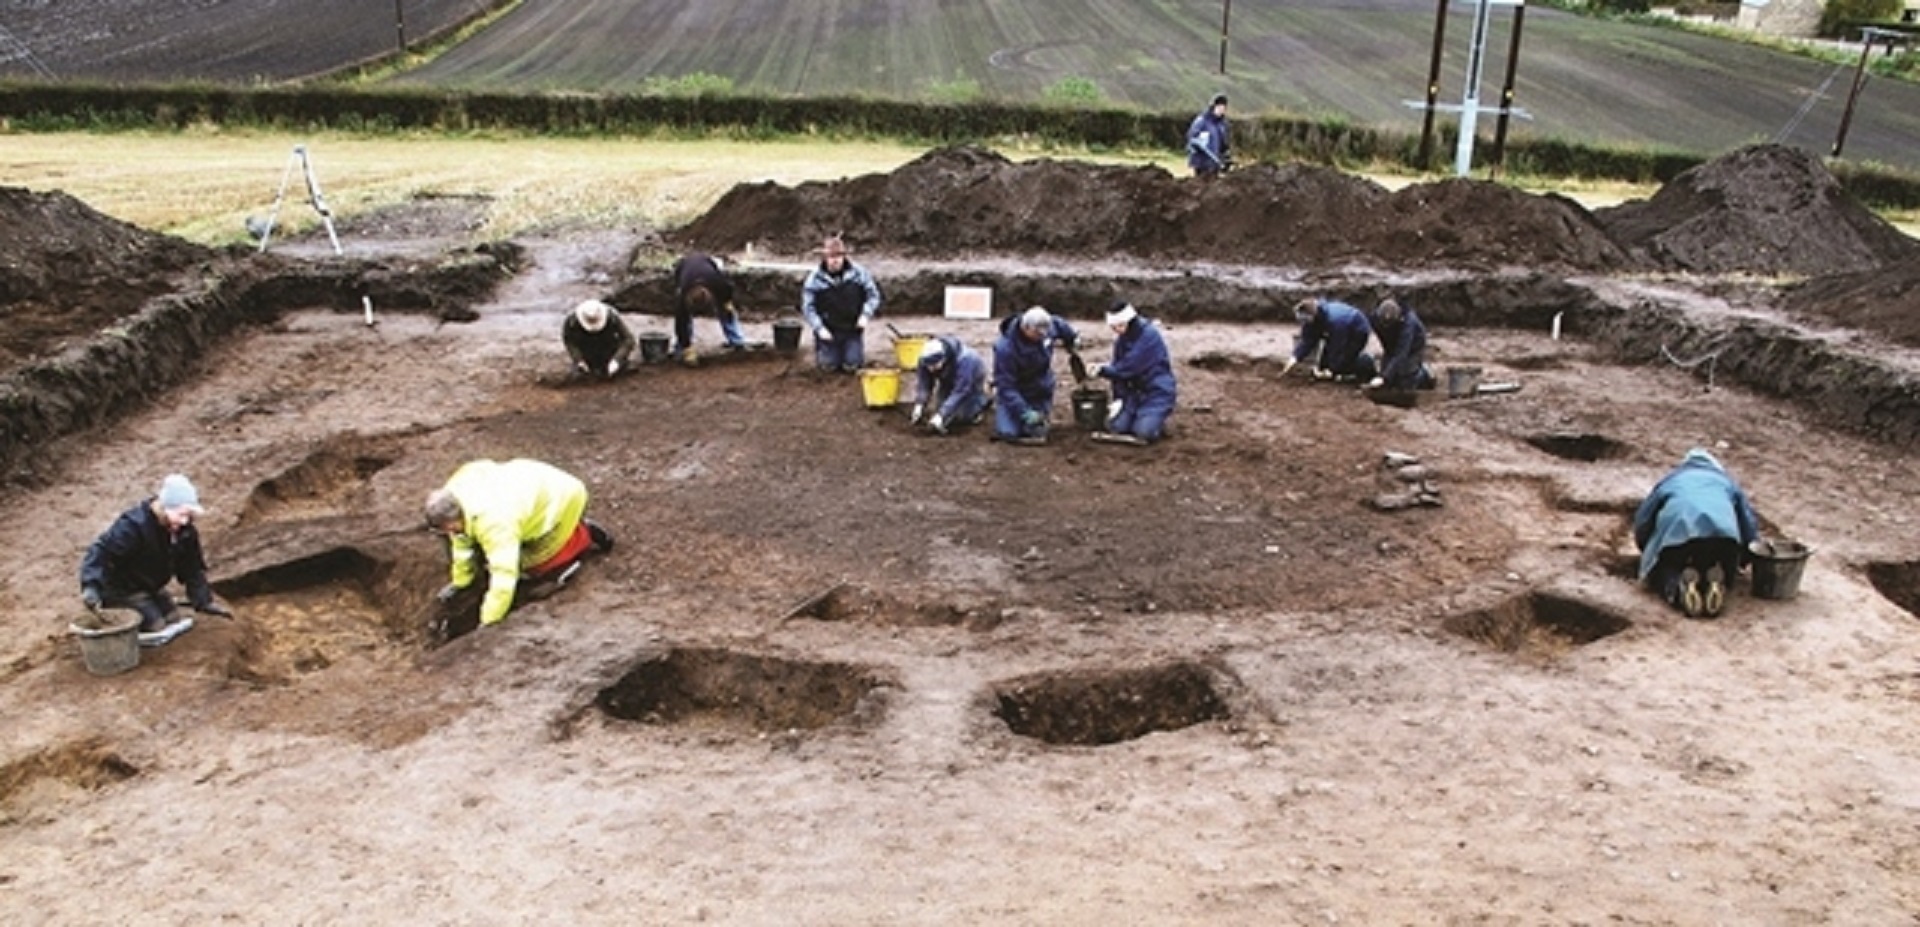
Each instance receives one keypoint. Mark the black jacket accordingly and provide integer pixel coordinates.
(697, 269)
(138, 554)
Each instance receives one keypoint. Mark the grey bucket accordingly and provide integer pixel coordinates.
(1777, 567)
(109, 650)
(1462, 381)
(786, 335)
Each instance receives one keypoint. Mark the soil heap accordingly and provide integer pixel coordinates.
(1766, 209)
(66, 269)
(967, 199)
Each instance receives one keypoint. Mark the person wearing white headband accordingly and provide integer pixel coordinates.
(1144, 390)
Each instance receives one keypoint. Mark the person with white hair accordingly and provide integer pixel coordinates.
(953, 378)
(1693, 531)
(151, 544)
(1023, 373)
(523, 517)
(597, 340)
(837, 301)
(1142, 375)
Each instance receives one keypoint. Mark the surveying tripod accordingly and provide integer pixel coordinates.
(300, 158)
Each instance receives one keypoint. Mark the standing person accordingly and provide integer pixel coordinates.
(1340, 332)
(954, 374)
(1403, 347)
(597, 339)
(1208, 152)
(1023, 374)
(701, 286)
(1693, 530)
(151, 544)
(837, 301)
(1142, 375)
(525, 517)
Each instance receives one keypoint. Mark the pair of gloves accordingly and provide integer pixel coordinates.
(824, 335)
(90, 597)
(938, 422)
(1319, 373)
(613, 367)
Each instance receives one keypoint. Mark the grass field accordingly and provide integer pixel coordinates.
(203, 185)
(1583, 79)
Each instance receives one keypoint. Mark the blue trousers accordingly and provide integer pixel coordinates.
(967, 410)
(1143, 416)
(846, 352)
(1346, 356)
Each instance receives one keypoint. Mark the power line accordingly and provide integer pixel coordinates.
(16, 49)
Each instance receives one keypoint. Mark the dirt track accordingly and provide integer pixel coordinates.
(1458, 714)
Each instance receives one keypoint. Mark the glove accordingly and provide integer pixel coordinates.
(823, 335)
(1032, 418)
(862, 324)
(582, 367)
(447, 592)
(91, 597)
(937, 423)
(213, 608)
(1376, 383)
(919, 412)
(1322, 373)
(1287, 367)
(613, 367)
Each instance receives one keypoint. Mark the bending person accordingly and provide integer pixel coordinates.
(1693, 530)
(1339, 332)
(954, 375)
(525, 517)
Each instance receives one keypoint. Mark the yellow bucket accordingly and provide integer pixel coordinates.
(907, 349)
(881, 387)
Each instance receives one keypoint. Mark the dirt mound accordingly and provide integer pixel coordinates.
(1885, 302)
(1765, 209)
(968, 199)
(70, 270)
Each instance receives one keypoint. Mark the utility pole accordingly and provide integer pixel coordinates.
(1470, 98)
(1226, 16)
(1506, 94)
(400, 25)
(1433, 84)
(1867, 37)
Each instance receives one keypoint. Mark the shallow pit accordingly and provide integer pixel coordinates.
(763, 693)
(1585, 447)
(1899, 582)
(86, 764)
(307, 614)
(327, 481)
(1097, 707)
(1537, 624)
(855, 604)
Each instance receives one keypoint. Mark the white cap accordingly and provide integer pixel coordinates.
(1120, 314)
(1035, 318)
(177, 493)
(592, 314)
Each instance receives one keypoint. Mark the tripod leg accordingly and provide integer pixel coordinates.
(319, 202)
(278, 198)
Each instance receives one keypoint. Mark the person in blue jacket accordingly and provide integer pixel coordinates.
(1693, 530)
(837, 301)
(1142, 375)
(151, 544)
(956, 376)
(1340, 332)
(1403, 347)
(1208, 151)
(1023, 374)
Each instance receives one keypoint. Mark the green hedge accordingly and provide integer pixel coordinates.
(33, 106)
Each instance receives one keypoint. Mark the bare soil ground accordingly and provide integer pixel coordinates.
(837, 672)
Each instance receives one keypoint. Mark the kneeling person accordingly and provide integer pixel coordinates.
(1693, 530)
(525, 517)
(597, 339)
(1340, 333)
(1142, 376)
(956, 376)
(131, 563)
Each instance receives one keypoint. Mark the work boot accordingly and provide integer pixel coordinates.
(1690, 601)
(602, 541)
(1715, 597)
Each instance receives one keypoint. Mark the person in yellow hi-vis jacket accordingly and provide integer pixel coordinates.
(525, 517)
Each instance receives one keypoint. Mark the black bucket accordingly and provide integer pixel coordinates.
(1090, 409)
(653, 348)
(786, 335)
(1777, 566)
